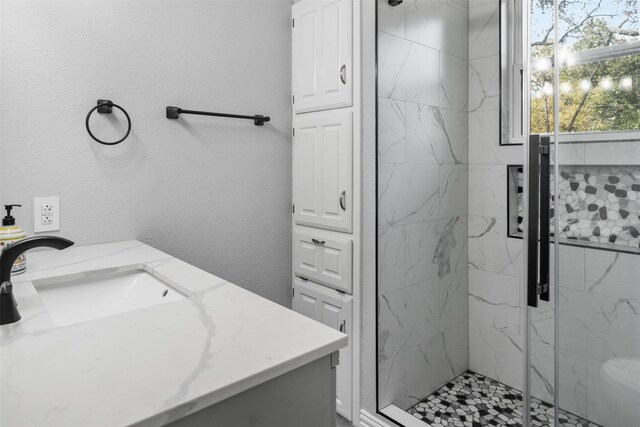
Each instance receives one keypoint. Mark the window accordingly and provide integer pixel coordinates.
(599, 54)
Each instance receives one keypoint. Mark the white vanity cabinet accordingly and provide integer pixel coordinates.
(322, 169)
(333, 309)
(321, 54)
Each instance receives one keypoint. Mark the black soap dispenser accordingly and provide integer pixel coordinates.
(11, 233)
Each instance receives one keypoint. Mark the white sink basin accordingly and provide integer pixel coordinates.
(102, 293)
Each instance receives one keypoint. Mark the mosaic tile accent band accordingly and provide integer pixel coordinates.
(473, 400)
(597, 204)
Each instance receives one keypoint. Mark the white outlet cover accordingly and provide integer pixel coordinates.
(48, 207)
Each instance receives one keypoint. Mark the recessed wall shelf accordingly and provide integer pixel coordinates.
(599, 206)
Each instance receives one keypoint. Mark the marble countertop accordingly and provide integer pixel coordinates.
(151, 366)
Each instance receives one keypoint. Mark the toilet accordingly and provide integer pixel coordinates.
(621, 386)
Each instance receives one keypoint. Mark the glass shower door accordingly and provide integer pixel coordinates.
(583, 236)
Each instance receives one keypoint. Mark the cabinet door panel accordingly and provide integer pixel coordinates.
(331, 33)
(334, 310)
(330, 313)
(336, 183)
(305, 303)
(344, 381)
(331, 172)
(321, 47)
(323, 170)
(306, 183)
(307, 59)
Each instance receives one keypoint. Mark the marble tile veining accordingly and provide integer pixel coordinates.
(494, 299)
(488, 190)
(484, 148)
(391, 131)
(434, 362)
(495, 353)
(453, 82)
(484, 30)
(422, 197)
(484, 85)
(454, 182)
(407, 194)
(407, 317)
(435, 135)
(439, 24)
(491, 250)
(407, 71)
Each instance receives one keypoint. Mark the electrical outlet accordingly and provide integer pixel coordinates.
(46, 214)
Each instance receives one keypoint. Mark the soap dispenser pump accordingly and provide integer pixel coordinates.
(11, 233)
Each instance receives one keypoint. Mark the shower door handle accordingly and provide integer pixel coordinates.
(538, 220)
(545, 218)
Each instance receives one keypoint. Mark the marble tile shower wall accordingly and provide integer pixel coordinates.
(495, 261)
(599, 307)
(599, 317)
(422, 197)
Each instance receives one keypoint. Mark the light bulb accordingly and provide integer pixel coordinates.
(626, 83)
(585, 85)
(606, 83)
(566, 57)
(542, 64)
(565, 87)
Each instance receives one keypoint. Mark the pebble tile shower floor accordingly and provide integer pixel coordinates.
(474, 400)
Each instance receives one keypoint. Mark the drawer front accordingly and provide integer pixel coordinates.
(323, 258)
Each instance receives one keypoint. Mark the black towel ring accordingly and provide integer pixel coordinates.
(106, 107)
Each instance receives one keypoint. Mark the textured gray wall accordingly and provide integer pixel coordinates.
(213, 192)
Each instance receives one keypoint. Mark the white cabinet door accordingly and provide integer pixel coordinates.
(321, 54)
(333, 309)
(340, 318)
(323, 258)
(322, 170)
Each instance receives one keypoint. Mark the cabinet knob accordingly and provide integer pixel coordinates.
(343, 200)
(318, 242)
(343, 74)
(343, 326)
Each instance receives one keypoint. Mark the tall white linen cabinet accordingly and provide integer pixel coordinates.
(326, 176)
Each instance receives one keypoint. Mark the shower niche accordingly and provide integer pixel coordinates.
(598, 206)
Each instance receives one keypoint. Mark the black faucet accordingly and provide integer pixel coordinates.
(8, 306)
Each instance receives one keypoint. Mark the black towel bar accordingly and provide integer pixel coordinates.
(174, 113)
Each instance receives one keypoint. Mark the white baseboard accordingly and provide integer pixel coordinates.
(368, 420)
